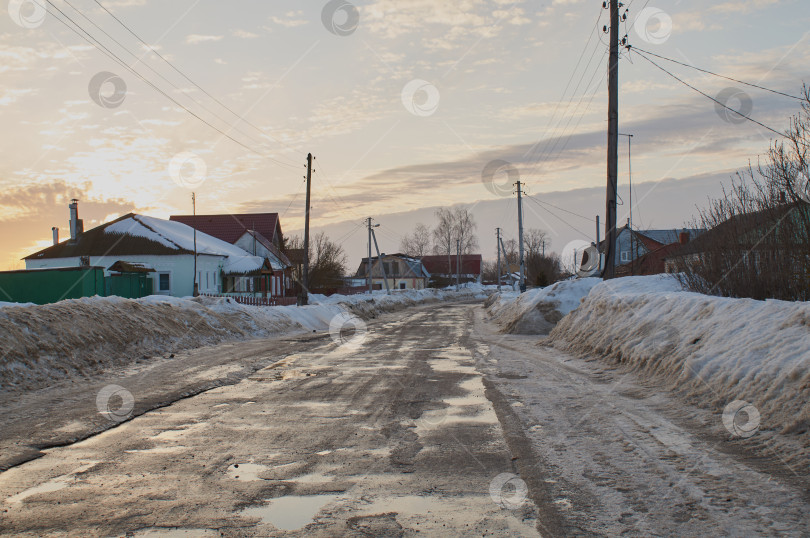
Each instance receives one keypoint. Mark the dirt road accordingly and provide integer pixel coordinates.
(430, 424)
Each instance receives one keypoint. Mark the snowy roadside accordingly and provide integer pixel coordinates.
(43, 344)
(744, 359)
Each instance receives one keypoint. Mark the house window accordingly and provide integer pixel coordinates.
(207, 283)
(402, 285)
(164, 282)
(625, 255)
(387, 268)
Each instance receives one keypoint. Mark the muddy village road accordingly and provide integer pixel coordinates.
(431, 424)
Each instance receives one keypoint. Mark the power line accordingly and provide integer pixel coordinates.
(749, 118)
(716, 74)
(101, 47)
(559, 218)
(170, 64)
(589, 219)
(161, 75)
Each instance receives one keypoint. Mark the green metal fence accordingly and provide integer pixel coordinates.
(42, 286)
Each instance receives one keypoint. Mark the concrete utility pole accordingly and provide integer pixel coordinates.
(303, 299)
(196, 290)
(598, 252)
(520, 236)
(613, 142)
(458, 264)
(380, 261)
(505, 257)
(368, 271)
(498, 246)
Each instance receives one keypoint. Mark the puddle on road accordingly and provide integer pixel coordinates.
(408, 504)
(157, 450)
(173, 532)
(54, 484)
(290, 513)
(247, 472)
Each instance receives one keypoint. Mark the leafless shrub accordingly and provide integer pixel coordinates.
(758, 239)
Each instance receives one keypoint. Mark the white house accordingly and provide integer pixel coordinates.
(165, 246)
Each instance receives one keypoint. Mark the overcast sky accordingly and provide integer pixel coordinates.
(404, 103)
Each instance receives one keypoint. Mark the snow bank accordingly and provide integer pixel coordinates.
(712, 350)
(42, 344)
(538, 311)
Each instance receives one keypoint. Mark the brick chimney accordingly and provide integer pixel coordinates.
(683, 238)
(76, 224)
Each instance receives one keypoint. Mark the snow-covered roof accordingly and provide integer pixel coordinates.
(174, 235)
(241, 265)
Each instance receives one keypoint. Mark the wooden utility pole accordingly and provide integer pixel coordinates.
(303, 299)
(196, 289)
(498, 246)
(613, 143)
(520, 236)
(379, 259)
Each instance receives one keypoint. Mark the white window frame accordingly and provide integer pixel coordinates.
(625, 256)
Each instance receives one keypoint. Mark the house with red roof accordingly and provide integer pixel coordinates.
(443, 268)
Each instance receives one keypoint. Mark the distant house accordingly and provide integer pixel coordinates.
(633, 245)
(402, 272)
(159, 250)
(258, 234)
(443, 270)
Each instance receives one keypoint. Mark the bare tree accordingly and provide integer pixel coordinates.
(443, 234)
(327, 260)
(416, 243)
(535, 242)
(464, 230)
(758, 239)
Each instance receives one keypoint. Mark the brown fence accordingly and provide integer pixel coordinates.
(258, 301)
(353, 290)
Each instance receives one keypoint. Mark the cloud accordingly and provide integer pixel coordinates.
(244, 34)
(195, 39)
(291, 19)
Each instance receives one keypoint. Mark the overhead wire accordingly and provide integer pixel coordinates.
(559, 218)
(716, 74)
(104, 49)
(181, 73)
(749, 118)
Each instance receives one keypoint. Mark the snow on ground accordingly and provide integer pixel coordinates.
(712, 350)
(43, 344)
(537, 311)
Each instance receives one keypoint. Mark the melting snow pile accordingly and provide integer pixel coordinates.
(42, 344)
(538, 311)
(712, 350)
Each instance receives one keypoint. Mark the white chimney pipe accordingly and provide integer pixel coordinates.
(55, 231)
